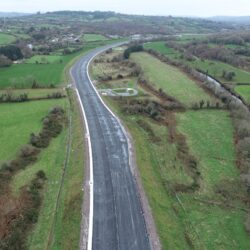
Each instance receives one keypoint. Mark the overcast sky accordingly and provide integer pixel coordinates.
(203, 8)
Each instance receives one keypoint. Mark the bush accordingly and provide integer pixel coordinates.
(66, 51)
(52, 126)
(55, 95)
(9, 97)
(147, 128)
(244, 146)
(35, 85)
(31, 215)
(228, 75)
(243, 129)
(4, 61)
(131, 49)
(12, 52)
(41, 175)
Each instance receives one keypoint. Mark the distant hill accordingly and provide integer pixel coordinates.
(124, 25)
(232, 20)
(13, 14)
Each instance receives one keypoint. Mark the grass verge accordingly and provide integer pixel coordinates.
(68, 219)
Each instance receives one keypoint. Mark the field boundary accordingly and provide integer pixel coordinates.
(69, 143)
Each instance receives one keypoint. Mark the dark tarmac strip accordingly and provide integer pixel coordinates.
(118, 221)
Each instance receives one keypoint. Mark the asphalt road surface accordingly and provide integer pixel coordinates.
(118, 222)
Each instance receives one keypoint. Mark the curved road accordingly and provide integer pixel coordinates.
(118, 221)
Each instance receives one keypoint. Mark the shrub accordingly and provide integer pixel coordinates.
(147, 128)
(228, 75)
(9, 97)
(12, 52)
(243, 129)
(131, 49)
(41, 175)
(52, 126)
(244, 147)
(55, 95)
(4, 61)
(31, 215)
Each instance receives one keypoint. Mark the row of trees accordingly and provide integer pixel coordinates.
(236, 38)
(204, 51)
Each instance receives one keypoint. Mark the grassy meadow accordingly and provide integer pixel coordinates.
(22, 75)
(160, 47)
(214, 68)
(50, 59)
(171, 80)
(45, 74)
(244, 91)
(6, 39)
(18, 121)
(210, 136)
(94, 37)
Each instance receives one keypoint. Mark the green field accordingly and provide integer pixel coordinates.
(93, 37)
(214, 68)
(22, 75)
(18, 121)
(45, 59)
(170, 79)
(160, 47)
(6, 39)
(210, 137)
(23, 119)
(244, 91)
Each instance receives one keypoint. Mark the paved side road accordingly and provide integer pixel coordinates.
(118, 222)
